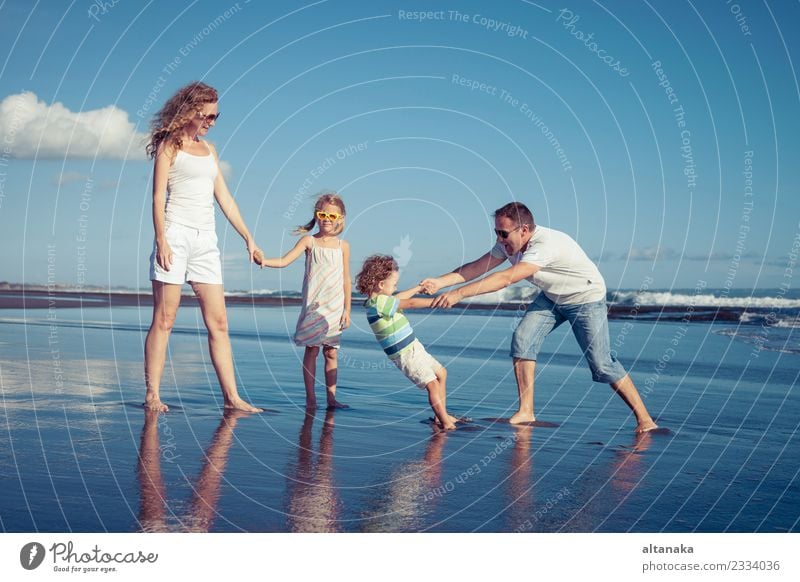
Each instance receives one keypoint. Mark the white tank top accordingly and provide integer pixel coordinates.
(190, 190)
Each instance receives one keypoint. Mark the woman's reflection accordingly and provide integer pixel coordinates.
(153, 514)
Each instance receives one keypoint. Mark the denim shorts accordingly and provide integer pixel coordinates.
(589, 323)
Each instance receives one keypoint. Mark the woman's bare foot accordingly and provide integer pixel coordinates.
(239, 404)
(645, 426)
(153, 402)
(521, 416)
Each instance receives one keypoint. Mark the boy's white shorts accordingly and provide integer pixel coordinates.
(418, 365)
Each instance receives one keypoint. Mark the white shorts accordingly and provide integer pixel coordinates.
(418, 365)
(195, 257)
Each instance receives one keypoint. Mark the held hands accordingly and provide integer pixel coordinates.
(447, 300)
(258, 257)
(430, 286)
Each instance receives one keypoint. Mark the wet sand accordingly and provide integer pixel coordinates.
(78, 453)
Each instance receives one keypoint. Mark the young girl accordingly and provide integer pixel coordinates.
(378, 280)
(326, 292)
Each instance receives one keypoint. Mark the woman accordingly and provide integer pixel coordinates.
(186, 180)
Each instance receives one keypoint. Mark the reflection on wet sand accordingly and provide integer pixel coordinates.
(314, 504)
(155, 514)
(519, 490)
(410, 495)
(606, 488)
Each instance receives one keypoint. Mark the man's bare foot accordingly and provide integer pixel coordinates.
(333, 405)
(239, 404)
(521, 416)
(153, 402)
(449, 425)
(645, 426)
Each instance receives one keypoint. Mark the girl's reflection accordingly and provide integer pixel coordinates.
(313, 504)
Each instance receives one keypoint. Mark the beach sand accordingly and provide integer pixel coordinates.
(79, 454)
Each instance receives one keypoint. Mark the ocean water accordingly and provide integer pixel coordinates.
(78, 453)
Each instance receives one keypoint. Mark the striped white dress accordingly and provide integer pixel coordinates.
(323, 297)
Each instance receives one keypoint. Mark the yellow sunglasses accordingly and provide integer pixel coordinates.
(333, 216)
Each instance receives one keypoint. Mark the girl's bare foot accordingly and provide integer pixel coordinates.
(334, 404)
(153, 402)
(521, 416)
(239, 404)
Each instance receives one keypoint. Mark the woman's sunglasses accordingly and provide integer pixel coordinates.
(212, 117)
(332, 216)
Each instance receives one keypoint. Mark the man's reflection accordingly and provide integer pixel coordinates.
(519, 490)
(606, 492)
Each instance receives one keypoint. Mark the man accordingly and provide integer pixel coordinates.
(572, 289)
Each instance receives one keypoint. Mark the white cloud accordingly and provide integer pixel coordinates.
(226, 169)
(69, 177)
(650, 254)
(723, 256)
(30, 128)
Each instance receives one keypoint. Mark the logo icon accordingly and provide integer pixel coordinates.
(402, 252)
(32, 555)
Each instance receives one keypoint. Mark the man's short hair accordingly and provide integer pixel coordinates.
(517, 212)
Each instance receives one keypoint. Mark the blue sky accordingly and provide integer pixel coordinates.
(663, 136)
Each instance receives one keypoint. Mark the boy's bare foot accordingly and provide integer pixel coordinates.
(645, 426)
(521, 416)
(240, 404)
(153, 402)
(333, 405)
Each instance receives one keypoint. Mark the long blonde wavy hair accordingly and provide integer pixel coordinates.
(177, 112)
(328, 198)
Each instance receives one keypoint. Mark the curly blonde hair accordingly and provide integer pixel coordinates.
(177, 112)
(327, 198)
(376, 268)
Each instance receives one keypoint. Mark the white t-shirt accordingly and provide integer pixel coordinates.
(567, 275)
